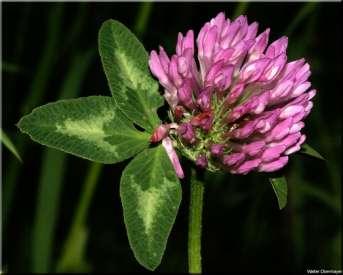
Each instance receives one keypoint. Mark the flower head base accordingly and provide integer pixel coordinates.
(243, 108)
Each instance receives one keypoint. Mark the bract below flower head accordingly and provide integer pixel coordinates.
(242, 108)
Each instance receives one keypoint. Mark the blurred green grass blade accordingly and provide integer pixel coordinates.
(296, 50)
(308, 150)
(53, 31)
(336, 247)
(302, 42)
(280, 189)
(322, 196)
(10, 179)
(18, 46)
(330, 144)
(303, 191)
(79, 66)
(38, 86)
(142, 18)
(9, 145)
(52, 174)
(8, 67)
(251, 234)
(72, 256)
(296, 218)
(49, 57)
(74, 259)
(240, 9)
(76, 28)
(302, 14)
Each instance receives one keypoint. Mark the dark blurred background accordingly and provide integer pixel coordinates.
(49, 52)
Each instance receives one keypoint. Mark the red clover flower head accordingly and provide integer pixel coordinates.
(240, 107)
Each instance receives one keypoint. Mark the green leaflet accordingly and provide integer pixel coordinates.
(89, 127)
(9, 145)
(151, 194)
(308, 150)
(125, 63)
(280, 189)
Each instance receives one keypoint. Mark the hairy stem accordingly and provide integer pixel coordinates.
(195, 220)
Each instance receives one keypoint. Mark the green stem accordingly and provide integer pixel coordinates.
(194, 229)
